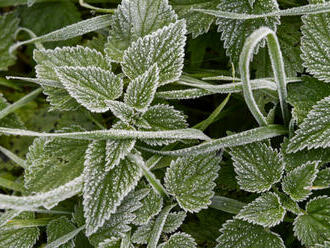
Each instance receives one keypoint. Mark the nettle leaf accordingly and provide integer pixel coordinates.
(13, 237)
(53, 162)
(58, 228)
(322, 180)
(181, 240)
(190, 180)
(152, 204)
(298, 182)
(174, 221)
(11, 120)
(313, 227)
(257, 165)
(121, 110)
(314, 131)
(141, 91)
(91, 86)
(197, 22)
(234, 32)
(164, 117)
(118, 223)
(49, 60)
(315, 45)
(289, 204)
(8, 26)
(241, 234)
(134, 19)
(110, 243)
(304, 95)
(164, 47)
(266, 210)
(104, 190)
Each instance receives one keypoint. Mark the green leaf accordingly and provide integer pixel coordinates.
(90, 86)
(304, 95)
(322, 180)
(104, 190)
(152, 204)
(134, 19)
(266, 211)
(315, 45)
(140, 92)
(53, 162)
(298, 182)
(118, 223)
(165, 47)
(8, 26)
(289, 204)
(174, 221)
(121, 110)
(110, 243)
(190, 180)
(19, 237)
(164, 117)
(241, 234)
(257, 165)
(197, 22)
(58, 228)
(234, 32)
(181, 240)
(313, 227)
(314, 131)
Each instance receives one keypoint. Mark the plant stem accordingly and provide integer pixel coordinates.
(13, 157)
(29, 222)
(86, 5)
(226, 204)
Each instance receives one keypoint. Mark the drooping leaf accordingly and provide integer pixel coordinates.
(322, 180)
(257, 165)
(90, 86)
(179, 239)
(140, 92)
(118, 223)
(104, 190)
(190, 180)
(313, 227)
(58, 228)
(314, 131)
(304, 95)
(165, 47)
(315, 45)
(266, 211)
(298, 182)
(134, 19)
(241, 234)
(197, 22)
(8, 26)
(234, 32)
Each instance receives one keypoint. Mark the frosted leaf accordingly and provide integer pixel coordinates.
(141, 91)
(257, 165)
(197, 22)
(304, 95)
(314, 131)
(298, 182)
(13, 237)
(11, 120)
(118, 223)
(174, 221)
(234, 32)
(110, 243)
(183, 94)
(294, 160)
(315, 45)
(164, 117)
(289, 204)
(58, 228)
(8, 26)
(53, 162)
(179, 239)
(104, 190)
(266, 211)
(165, 47)
(134, 19)
(121, 110)
(48, 60)
(151, 206)
(8, 215)
(116, 151)
(190, 180)
(313, 227)
(241, 234)
(90, 86)
(322, 180)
